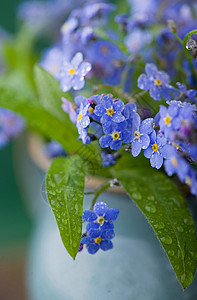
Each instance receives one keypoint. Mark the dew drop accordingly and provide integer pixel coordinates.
(160, 225)
(166, 240)
(183, 277)
(191, 44)
(136, 195)
(171, 252)
(188, 221)
(180, 229)
(151, 198)
(151, 208)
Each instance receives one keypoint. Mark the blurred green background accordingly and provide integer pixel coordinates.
(15, 223)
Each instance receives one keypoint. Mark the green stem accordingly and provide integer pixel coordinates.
(98, 192)
(183, 43)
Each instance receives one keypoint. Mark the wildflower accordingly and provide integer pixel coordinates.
(115, 135)
(167, 116)
(157, 150)
(110, 110)
(140, 134)
(191, 181)
(98, 239)
(72, 73)
(100, 214)
(157, 82)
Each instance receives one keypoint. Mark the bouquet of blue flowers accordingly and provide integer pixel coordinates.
(111, 88)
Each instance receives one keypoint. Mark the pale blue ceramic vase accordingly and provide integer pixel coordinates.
(135, 269)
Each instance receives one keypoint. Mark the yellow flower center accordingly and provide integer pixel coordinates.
(79, 117)
(71, 71)
(110, 111)
(115, 135)
(137, 134)
(167, 120)
(188, 180)
(157, 82)
(104, 49)
(98, 240)
(100, 220)
(91, 110)
(155, 147)
(174, 162)
(75, 106)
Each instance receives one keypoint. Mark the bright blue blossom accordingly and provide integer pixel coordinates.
(157, 82)
(157, 150)
(115, 135)
(101, 214)
(167, 116)
(110, 110)
(98, 239)
(140, 134)
(100, 227)
(72, 73)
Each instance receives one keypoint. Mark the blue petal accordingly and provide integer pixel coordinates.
(115, 145)
(78, 83)
(86, 240)
(105, 141)
(147, 126)
(77, 60)
(107, 234)
(93, 225)
(112, 214)
(107, 225)
(156, 160)
(100, 208)
(166, 94)
(107, 102)
(118, 106)
(155, 92)
(136, 148)
(117, 117)
(151, 70)
(148, 152)
(94, 233)
(143, 82)
(89, 216)
(93, 248)
(106, 245)
(99, 110)
(145, 140)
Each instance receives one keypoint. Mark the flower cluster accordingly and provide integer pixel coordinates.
(100, 229)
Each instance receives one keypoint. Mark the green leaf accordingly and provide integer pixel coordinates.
(41, 120)
(166, 210)
(65, 187)
(50, 94)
